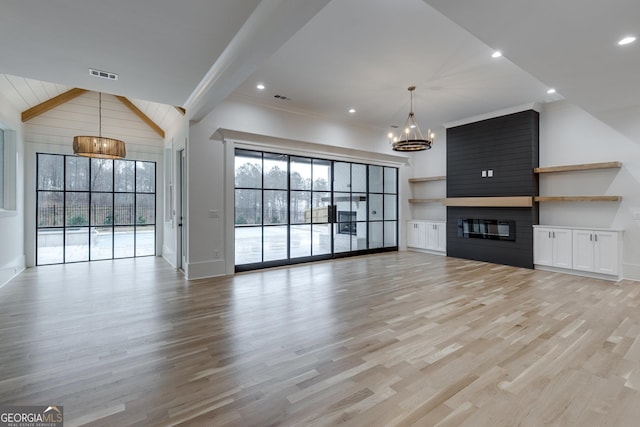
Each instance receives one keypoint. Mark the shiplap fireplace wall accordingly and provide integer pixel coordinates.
(494, 159)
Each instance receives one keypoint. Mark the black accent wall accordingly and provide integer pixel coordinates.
(508, 146)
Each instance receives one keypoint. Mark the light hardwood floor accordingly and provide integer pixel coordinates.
(396, 339)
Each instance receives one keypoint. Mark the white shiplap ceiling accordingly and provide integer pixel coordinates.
(327, 56)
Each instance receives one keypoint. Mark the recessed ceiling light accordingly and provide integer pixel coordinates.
(352, 110)
(550, 91)
(260, 86)
(496, 54)
(627, 40)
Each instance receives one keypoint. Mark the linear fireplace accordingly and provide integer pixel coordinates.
(494, 229)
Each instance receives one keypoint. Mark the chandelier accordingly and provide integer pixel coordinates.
(410, 137)
(99, 146)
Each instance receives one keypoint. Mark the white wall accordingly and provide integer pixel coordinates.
(427, 164)
(210, 165)
(175, 140)
(569, 135)
(53, 132)
(12, 253)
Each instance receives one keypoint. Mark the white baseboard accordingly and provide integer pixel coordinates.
(206, 269)
(11, 270)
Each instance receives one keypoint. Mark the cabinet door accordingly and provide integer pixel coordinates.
(583, 250)
(416, 234)
(562, 249)
(440, 236)
(542, 246)
(605, 252)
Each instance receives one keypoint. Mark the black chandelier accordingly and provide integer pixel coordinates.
(411, 137)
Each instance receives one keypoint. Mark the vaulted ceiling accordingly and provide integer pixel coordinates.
(325, 57)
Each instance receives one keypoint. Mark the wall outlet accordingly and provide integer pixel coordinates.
(636, 215)
(214, 213)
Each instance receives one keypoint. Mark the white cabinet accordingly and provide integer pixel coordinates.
(430, 235)
(595, 251)
(578, 250)
(436, 236)
(552, 247)
(416, 234)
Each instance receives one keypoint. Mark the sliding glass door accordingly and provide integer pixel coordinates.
(291, 209)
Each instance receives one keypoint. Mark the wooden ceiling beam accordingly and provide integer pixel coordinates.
(141, 115)
(52, 103)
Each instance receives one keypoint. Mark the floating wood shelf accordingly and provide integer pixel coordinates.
(515, 201)
(578, 198)
(427, 179)
(587, 166)
(425, 200)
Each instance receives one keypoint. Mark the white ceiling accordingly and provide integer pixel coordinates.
(327, 59)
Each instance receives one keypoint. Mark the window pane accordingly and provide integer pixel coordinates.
(358, 177)
(145, 177)
(359, 206)
(300, 245)
(77, 209)
(276, 174)
(390, 203)
(375, 235)
(275, 207)
(77, 178)
(390, 237)
(101, 175)
(50, 209)
(50, 172)
(145, 209)
(321, 175)
(360, 241)
(50, 246)
(375, 179)
(145, 240)
(248, 245)
(321, 239)
(76, 246)
(275, 243)
(102, 209)
(248, 207)
(125, 175)
(375, 207)
(248, 169)
(124, 209)
(342, 178)
(300, 173)
(390, 175)
(344, 232)
(300, 207)
(101, 243)
(320, 202)
(123, 242)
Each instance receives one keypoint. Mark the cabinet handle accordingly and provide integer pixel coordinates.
(549, 234)
(591, 237)
(596, 237)
(554, 234)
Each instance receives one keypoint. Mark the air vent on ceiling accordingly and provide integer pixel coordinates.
(103, 74)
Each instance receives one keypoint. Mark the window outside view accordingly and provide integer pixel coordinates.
(290, 207)
(93, 209)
